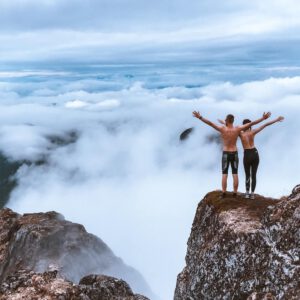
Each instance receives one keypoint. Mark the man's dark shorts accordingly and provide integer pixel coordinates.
(230, 158)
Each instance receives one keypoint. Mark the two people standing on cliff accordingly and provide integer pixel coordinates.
(229, 134)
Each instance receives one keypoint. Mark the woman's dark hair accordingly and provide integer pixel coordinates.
(246, 121)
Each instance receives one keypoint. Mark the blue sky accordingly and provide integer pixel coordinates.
(147, 31)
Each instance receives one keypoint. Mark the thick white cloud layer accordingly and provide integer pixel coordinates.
(128, 179)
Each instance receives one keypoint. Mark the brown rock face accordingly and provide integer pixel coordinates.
(48, 286)
(243, 249)
(45, 242)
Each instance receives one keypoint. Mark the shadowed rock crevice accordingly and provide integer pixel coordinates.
(243, 249)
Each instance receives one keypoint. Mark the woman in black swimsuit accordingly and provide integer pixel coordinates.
(251, 157)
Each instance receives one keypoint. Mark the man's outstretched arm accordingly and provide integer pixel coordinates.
(257, 130)
(213, 125)
(248, 125)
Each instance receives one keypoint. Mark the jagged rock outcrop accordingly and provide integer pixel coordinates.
(213, 138)
(49, 286)
(243, 249)
(186, 133)
(7, 181)
(42, 242)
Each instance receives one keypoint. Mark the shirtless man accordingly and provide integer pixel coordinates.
(251, 157)
(229, 135)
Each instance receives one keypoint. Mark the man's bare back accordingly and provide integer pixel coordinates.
(229, 135)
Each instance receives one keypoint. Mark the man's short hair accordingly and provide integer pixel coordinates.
(230, 118)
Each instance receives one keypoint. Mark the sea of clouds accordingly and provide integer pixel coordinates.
(127, 178)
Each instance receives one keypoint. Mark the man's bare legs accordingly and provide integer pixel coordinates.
(235, 182)
(224, 182)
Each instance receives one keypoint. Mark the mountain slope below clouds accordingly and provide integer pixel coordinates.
(42, 242)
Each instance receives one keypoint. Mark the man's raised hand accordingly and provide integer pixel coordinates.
(266, 115)
(221, 121)
(197, 114)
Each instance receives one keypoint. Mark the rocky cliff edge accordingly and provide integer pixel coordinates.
(243, 249)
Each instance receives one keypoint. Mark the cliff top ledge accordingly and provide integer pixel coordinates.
(238, 213)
